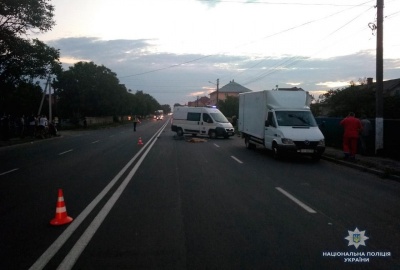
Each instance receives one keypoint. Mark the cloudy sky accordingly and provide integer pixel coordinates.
(175, 50)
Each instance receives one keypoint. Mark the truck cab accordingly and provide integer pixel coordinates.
(293, 131)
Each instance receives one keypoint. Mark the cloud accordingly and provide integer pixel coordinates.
(176, 78)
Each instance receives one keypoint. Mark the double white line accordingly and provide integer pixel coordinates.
(83, 241)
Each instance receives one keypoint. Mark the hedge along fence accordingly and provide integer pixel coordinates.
(333, 133)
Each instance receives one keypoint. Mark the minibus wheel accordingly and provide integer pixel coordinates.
(212, 134)
(179, 132)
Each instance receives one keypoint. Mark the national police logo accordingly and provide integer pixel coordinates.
(356, 238)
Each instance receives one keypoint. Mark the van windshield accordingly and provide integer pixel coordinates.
(219, 117)
(295, 118)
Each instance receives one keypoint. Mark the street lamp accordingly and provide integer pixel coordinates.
(216, 104)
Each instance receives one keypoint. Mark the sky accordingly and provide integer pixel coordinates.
(175, 50)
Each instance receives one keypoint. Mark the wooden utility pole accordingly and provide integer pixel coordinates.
(379, 79)
(217, 92)
(44, 95)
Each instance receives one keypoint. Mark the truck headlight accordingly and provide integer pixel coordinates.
(287, 141)
(321, 142)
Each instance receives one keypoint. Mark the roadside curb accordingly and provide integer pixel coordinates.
(360, 167)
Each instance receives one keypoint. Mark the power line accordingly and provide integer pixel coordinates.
(291, 61)
(279, 3)
(168, 67)
(244, 44)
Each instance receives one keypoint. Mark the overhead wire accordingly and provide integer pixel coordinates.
(295, 27)
(277, 3)
(244, 44)
(291, 61)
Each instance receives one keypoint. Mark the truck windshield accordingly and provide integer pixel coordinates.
(219, 117)
(295, 118)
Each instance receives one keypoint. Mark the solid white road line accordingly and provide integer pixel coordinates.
(303, 205)
(60, 241)
(84, 240)
(10, 171)
(95, 142)
(66, 152)
(216, 145)
(237, 159)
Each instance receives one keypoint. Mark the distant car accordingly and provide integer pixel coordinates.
(160, 117)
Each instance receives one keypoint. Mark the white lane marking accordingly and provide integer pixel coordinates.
(84, 240)
(60, 241)
(303, 205)
(10, 171)
(95, 141)
(70, 150)
(216, 145)
(237, 160)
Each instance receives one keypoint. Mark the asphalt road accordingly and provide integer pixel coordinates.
(173, 204)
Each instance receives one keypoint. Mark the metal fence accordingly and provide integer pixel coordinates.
(333, 132)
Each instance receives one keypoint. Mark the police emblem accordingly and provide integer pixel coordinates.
(356, 238)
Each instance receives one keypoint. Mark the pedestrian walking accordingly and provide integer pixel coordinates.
(352, 128)
(135, 122)
(365, 135)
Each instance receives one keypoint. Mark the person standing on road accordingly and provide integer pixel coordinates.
(135, 121)
(364, 135)
(352, 128)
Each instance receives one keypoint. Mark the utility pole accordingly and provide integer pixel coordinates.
(379, 79)
(217, 92)
(216, 103)
(44, 95)
(50, 105)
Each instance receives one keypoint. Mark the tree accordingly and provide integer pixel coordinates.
(230, 106)
(17, 17)
(23, 60)
(166, 108)
(145, 104)
(27, 60)
(89, 90)
(26, 97)
(19, 57)
(357, 99)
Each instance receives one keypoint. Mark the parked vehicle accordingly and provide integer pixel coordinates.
(281, 121)
(201, 121)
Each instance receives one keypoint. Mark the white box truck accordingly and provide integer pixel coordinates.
(207, 121)
(280, 121)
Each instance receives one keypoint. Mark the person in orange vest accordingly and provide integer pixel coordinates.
(352, 128)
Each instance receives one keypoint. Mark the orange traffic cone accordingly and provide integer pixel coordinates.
(61, 217)
(140, 141)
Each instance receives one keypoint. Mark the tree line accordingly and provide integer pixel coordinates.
(85, 89)
(359, 99)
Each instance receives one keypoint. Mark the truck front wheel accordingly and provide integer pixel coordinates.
(275, 151)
